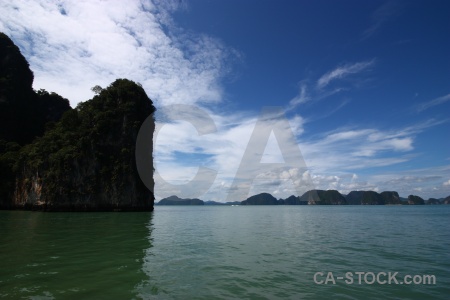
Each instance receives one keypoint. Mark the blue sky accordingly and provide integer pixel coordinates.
(364, 85)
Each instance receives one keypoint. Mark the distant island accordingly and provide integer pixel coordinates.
(319, 197)
(174, 200)
(57, 158)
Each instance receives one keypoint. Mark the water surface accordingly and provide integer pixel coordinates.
(204, 252)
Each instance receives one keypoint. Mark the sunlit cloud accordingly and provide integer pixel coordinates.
(74, 45)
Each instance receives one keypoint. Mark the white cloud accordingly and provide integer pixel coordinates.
(74, 45)
(342, 72)
(434, 102)
(301, 98)
(380, 17)
(334, 160)
(447, 183)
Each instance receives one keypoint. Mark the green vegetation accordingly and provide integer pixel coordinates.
(174, 200)
(56, 158)
(415, 200)
(260, 199)
(24, 113)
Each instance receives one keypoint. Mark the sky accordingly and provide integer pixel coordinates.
(263, 96)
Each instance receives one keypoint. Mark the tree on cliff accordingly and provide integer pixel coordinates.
(24, 113)
(56, 157)
(87, 161)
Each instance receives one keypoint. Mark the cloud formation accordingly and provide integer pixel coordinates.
(334, 160)
(434, 102)
(380, 17)
(74, 45)
(342, 72)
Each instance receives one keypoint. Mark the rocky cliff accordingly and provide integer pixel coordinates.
(174, 200)
(87, 161)
(292, 200)
(446, 200)
(260, 199)
(415, 200)
(24, 112)
(391, 198)
(321, 197)
(53, 157)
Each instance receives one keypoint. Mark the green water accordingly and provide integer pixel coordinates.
(253, 252)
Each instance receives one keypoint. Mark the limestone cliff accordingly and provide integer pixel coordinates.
(321, 197)
(24, 113)
(87, 161)
(53, 157)
(260, 199)
(174, 200)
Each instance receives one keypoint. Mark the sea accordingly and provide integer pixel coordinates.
(228, 252)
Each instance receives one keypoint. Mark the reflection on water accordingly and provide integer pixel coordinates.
(223, 252)
(266, 252)
(73, 255)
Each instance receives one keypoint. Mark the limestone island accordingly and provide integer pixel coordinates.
(57, 158)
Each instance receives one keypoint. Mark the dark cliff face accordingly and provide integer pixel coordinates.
(16, 77)
(174, 200)
(415, 200)
(260, 199)
(391, 197)
(23, 112)
(87, 161)
(321, 197)
(372, 198)
(433, 201)
(293, 200)
(53, 157)
(354, 197)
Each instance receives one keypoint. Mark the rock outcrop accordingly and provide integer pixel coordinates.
(53, 157)
(87, 161)
(433, 201)
(260, 199)
(321, 197)
(415, 200)
(354, 197)
(391, 198)
(372, 198)
(174, 200)
(24, 112)
(446, 200)
(293, 200)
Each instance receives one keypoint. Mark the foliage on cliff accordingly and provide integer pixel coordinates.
(260, 199)
(87, 160)
(415, 200)
(24, 113)
(57, 158)
(174, 200)
(321, 197)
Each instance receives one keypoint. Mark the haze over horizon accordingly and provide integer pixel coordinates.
(364, 85)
